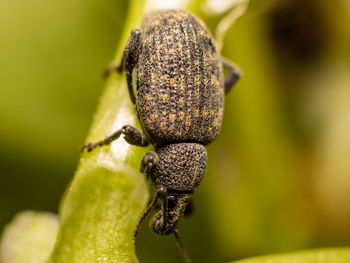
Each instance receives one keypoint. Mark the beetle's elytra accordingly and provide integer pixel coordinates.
(179, 80)
(179, 100)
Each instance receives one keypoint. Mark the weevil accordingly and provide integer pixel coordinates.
(180, 88)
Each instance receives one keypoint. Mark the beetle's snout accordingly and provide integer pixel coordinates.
(159, 226)
(164, 225)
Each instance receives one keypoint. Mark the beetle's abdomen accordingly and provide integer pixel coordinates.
(179, 80)
(181, 166)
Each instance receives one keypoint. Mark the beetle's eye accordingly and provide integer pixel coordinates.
(171, 200)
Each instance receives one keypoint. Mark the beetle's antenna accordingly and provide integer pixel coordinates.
(159, 193)
(148, 209)
(181, 247)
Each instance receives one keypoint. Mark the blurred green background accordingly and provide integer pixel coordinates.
(278, 176)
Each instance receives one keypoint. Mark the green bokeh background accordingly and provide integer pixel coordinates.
(278, 176)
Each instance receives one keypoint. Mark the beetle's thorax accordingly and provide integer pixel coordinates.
(181, 166)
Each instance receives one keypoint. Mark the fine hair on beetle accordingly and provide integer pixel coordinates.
(180, 88)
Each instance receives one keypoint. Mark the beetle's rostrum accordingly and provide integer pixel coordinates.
(179, 101)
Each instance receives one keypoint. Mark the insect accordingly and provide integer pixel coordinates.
(180, 88)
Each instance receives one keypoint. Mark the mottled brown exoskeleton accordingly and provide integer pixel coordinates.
(179, 100)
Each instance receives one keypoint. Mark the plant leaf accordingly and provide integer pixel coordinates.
(329, 255)
(29, 238)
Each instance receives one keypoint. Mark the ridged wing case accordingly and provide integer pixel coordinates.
(179, 79)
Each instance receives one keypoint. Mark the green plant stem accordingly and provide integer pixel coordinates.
(108, 193)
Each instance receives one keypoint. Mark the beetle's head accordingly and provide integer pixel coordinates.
(177, 204)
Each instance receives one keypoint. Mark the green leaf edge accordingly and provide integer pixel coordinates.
(324, 255)
(29, 237)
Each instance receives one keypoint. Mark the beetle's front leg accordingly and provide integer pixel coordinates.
(131, 134)
(148, 162)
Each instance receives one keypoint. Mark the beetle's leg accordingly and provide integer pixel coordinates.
(161, 193)
(112, 67)
(131, 134)
(148, 162)
(129, 60)
(233, 74)
(189, 209)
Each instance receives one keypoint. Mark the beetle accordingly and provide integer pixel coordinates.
(180, 88)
